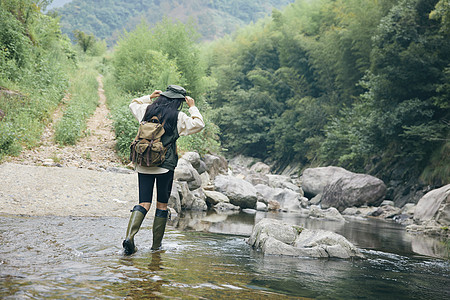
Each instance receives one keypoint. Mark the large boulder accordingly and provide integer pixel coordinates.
(314, 180)
(213, 198)
(264, 193)
(435, 205)
(287, 199)
(199, 202)
(260, 168)
(240, 192)
(186, 172)
(273, 237)
(257, 178)
(186, 196)
(215, 165)
(193, 158)
(192, 200)
(432, 213)
(353, 190)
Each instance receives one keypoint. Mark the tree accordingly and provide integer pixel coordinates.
(84, 40)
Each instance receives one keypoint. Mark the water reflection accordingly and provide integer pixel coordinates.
(364, 233)
(65, 257)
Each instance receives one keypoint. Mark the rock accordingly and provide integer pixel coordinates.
(257, 178)
(273, 237)
(223, 206)
(260, 168)
(409, 209)
(215, 165)
(264, 193)
(314, 180)
(304, 202)
(48, 162)
(429, 227)
(249, 211)
(174, 199)
(403, 219)
(283, 182)
(119, 170)
(434, 205)
(199, 202)
(273, 205)
(316, 199)
(202, 168)
(353, 190)
(240, 192)
(241, 163)
(206, 180)
(386, 212)
(193, 158)
(260, 206)
(351, 211)
(186, 172)
(213, 197)
(331, 214)
(288, 199)
(186, 197)
(387, 202)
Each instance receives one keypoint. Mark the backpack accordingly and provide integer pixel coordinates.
(147, 150)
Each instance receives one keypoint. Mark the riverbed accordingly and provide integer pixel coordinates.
(205, 256)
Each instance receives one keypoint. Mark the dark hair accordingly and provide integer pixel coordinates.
(166, 109)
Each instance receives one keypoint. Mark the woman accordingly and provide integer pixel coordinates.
(176, 123)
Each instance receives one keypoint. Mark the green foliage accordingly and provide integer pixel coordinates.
(85, 41)
(361, 84)
(83, 102)
(178, 42)
(34, 62)
(145, 60)
(139, 67)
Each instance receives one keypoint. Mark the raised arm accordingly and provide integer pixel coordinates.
(138, 106)
(190, 124)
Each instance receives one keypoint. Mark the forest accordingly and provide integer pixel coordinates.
(361, 84)
(107, 19)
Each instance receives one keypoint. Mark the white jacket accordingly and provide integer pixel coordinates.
(186, 125)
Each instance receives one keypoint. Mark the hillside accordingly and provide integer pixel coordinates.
(106, 19)
(57, 3)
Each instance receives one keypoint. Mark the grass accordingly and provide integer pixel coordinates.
(27, 104)
(83, 102)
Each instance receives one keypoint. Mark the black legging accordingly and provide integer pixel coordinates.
(163, 186)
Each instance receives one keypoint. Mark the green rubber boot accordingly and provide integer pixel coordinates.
(159, 226)
(137, 216)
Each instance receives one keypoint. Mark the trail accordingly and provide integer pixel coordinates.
(86, 179)
(95, 151)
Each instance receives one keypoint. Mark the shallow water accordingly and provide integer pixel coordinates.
(205, 256)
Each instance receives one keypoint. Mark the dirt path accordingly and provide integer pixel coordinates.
(86, 179)
(93, 152)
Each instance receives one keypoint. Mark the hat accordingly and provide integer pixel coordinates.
(174, 92)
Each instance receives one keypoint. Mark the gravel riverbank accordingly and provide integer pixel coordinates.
(40, 191)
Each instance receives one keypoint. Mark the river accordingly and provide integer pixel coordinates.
(206, 257)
